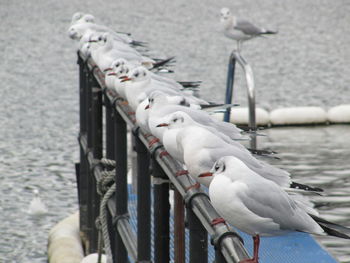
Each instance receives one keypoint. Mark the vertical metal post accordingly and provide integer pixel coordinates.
(143, 202)
(229, 85)
(110, 155)
(161, 211)
(179, 228)
(83, 169)
(94, 139)
(109, 129)
(198, 238)
(121, 192)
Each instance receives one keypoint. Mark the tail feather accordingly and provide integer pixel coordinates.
(305, 187)
(269, 32)
(332, 229)
(162, 62)
(190, 84)
(138, 43)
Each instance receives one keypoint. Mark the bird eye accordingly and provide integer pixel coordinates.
(136, 74)
(175, 120)
(127, 70)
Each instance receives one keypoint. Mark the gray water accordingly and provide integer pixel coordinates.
(305, 64)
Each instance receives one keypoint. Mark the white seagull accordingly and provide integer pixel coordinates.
(240, 29)
(161, 105)
(259, 206)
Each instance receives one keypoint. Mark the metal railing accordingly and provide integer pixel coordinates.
(236, 56)
(166, 172)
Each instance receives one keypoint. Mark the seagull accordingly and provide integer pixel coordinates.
(106, 53)
(240, 29)
(259, 207)
(202, 148)
(176, 122)
(36, 206)
(161, 105)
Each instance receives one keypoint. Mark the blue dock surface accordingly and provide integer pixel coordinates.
(291, 248)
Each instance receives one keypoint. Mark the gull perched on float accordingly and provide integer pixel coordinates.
(259, 207)
(240, 29)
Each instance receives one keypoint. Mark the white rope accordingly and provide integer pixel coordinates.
(103, 221)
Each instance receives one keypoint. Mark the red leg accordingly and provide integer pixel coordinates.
(196, 185)
(255, 258)
(218, 220)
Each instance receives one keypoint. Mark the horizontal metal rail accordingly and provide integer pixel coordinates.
(225, 240)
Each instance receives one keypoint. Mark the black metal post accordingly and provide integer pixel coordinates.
(229, 86)
(198, 238)
(161, 212)
(143, 202)
(179, 228)
(110, 141)
(94, 139)
(83, 169)
(121, 182)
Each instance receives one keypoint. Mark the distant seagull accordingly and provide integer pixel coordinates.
(260, 207)
(240, 29)
(37, 207)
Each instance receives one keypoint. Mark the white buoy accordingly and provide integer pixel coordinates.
(92, 258)
(298, 116)
(64, 241)
(339, 114)
(36, 206)
(241, 116)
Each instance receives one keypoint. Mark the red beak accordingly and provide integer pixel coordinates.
(205, 174)
(125, 79)
(92, 41)
(112, 74)
(163, 125)
(147, 107)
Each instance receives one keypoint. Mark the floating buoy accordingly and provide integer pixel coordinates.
(241, 116)
(298, 116)
(64, 241)
(339, 114)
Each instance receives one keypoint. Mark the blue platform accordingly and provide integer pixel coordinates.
(291, 248)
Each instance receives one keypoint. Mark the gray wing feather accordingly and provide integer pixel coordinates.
(248, 28)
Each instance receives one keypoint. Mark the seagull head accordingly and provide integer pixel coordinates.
(178, 120)
(88, 18)
(138, 74)
(76, 16)
(218, 167)
(225, 13)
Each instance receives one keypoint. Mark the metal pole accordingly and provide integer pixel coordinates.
(121, 181)
(161, 210)
(229, 85)
(110, 155)
(179, 228)
(95, 145)
(83, 169)
(143, 202)
(198, 238)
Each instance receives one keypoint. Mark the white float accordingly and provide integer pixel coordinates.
(339, 114)
(64, 241)
(240, 116)
(298, 116)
